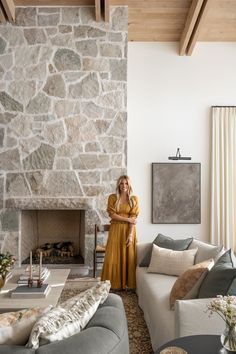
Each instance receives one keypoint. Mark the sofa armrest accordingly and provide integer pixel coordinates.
(191, 318)
(142, 249)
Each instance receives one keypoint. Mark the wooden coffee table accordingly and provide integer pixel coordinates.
(56, 279)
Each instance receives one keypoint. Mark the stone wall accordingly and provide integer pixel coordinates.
(63, 120)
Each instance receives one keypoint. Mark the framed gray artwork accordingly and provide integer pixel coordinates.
(176, 193)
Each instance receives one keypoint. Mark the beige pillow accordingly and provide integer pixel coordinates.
(205, 250)
(185, 283)
(165, 261)
(15, 327)
(70, 317)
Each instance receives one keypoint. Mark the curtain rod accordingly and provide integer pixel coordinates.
(223, 106)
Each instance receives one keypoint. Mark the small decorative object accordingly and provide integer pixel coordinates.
(173, 350)
(225, 307)
(6, 263)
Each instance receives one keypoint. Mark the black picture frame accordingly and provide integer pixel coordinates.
(176, 193)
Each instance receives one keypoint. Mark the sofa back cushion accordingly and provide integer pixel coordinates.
(165, 242)
(166, 261)
(205, 250)
(221, 279)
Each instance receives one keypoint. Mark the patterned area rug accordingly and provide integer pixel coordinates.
(139, 339)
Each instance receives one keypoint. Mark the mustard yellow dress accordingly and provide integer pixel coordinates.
(120, 261)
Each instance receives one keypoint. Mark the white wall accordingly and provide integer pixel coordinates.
(169, 100)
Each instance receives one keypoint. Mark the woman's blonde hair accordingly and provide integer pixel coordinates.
(130, 191)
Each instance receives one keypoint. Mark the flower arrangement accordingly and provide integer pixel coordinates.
(225, 307)
(6, 263)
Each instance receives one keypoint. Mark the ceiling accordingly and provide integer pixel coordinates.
(184, 21)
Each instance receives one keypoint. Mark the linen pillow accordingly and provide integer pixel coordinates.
(165, 242)
(15, 327)
(187, 281)
(221, 278)
(70, 317)
(205, 250)
(165, 261)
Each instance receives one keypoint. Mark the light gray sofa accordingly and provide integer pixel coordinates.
(105, 333)
(189, 316)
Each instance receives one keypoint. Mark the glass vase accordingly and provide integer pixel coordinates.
(228, 338)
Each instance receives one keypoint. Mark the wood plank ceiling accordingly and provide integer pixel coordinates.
(185, 21)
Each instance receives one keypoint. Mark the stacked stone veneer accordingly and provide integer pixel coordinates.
(63, 121)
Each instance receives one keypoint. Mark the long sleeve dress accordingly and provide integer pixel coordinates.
(120, 261)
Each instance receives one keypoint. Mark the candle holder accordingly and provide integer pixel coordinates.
(30, 279)
(39, 283)
(30, 283)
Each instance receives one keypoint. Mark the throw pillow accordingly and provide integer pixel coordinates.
(70, 317)
(165, 261)
(205, 250)
(221, 278)
(15, 327)
(165, 242)
(187, 281)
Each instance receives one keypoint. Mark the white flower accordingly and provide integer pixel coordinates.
(225, 307)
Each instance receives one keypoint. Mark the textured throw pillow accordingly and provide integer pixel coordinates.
(187, 281)
(220, 280)
(70, 317)
(165, 261)
(15, 327)
(165, 242)
(205, 250)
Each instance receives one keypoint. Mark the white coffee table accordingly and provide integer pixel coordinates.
(56, 279)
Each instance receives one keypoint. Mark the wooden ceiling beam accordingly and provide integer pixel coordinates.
(106, 10)
(198, 26)
(98, 10)
(190, 23)
(9, 8)
(2, 15)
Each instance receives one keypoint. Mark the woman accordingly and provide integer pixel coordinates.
(120, 258)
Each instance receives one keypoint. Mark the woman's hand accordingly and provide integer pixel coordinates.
(132, 220)
(129, 241)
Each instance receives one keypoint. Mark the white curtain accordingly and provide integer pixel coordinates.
(223, 187)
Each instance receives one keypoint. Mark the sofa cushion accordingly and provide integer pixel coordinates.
(205, 250)
(165, 242)
(68, 318)
(187, 281)
(167, 261)
(15, 327)
(153, 297)
(221, 278)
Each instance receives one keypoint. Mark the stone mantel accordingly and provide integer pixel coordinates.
(50, 203)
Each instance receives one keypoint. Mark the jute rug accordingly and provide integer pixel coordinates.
(139, 339)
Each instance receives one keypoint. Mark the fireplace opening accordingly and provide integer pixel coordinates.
(58, 234)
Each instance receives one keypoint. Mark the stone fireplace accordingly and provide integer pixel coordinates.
(63, 119)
